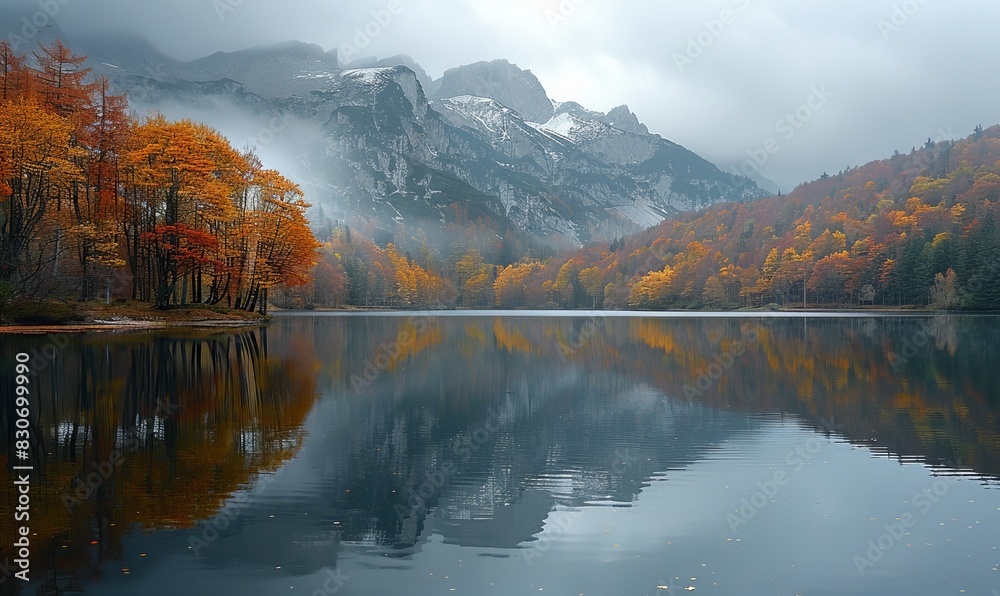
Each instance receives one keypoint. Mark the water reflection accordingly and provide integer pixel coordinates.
(150, 431)
(465, 431)
(912, 387)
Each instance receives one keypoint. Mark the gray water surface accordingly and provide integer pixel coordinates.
(497, 454)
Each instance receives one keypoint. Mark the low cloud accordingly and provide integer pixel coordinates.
(902, 69)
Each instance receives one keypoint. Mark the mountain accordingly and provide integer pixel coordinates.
(398, 60)
(762, 181)
(623, 119)
(500, 80)
(587, 163)
(489, 145)
(272, 72)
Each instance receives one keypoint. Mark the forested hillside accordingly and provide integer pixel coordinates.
(914, 230)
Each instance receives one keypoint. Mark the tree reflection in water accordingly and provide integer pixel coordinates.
(474, 428)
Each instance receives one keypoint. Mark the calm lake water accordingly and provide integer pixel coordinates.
(499, 454)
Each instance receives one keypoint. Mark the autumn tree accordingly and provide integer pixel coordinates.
(714, 294)
(61, 82)
(944, 292)
(286, 248)
(86, 193)
(567, 283)
(592, 283)
(180, 176)
(14, 79)
(512, 285)
(37, 175)
(829, 277)
(653, 290)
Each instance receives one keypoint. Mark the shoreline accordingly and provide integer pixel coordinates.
(120, 323)
(138, 317)
(112, 326)
(755, 313)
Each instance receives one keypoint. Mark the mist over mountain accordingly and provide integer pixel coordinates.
(379, 140)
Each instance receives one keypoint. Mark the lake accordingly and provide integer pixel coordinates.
(516, 453)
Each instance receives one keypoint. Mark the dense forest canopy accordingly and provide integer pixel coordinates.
(915, 229)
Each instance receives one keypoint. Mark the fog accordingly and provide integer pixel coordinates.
(716, 76)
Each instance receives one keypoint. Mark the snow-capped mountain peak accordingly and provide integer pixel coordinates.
(490, 146)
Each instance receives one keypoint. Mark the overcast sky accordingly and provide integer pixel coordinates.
(865, 77)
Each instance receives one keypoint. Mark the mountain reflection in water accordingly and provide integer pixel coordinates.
(325, 435)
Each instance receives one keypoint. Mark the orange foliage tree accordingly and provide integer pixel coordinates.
(88, 195)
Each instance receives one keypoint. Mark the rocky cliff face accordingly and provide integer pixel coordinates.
(490, 144)
(517, 89)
